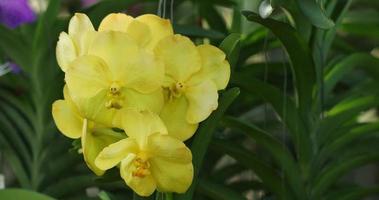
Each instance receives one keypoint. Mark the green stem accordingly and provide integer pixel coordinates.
(137, 197)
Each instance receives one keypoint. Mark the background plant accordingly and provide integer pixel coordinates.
(306, 75)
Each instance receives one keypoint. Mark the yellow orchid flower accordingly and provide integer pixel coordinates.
(76, 43)
(116, 74)
(94, 137)
(194, 74)
(146, 29)
(149, 158)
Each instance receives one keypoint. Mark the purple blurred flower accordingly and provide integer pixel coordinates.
(14, 68)
(13, 13)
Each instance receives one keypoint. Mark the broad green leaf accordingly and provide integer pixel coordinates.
(203, 137)
(300, 57)
(217, 191)
(20, 194)
(231, 47)
(276, 149)
(313, 11)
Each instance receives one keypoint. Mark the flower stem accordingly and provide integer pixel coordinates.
(137, 197)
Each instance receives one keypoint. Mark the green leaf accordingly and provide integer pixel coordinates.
(362, 103)
(13, 45)
(217, 191)
(345, 140)
(315, 14)
(231, 47)
(334, 171)
(98, 11)
(70, 185)
(300, 57)
(277, 150)
(42, 35)
(352, 193)
(270, 178)
(226, 172)
(284, 107)
(18, 194)
(212, 16)
(203, 137)
(14, 162)
(195, 31)
(364, 60)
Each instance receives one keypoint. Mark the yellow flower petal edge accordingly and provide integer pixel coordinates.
(214, 67)
(146, 29)
(174, 114)
(180, 56)
(65, 51)
(79, 24)
(68, 121)
(116, 22)
(159, 27)
(76, 42)
(94, 140)
(203, 100)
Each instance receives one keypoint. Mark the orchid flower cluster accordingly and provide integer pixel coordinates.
(134, 92)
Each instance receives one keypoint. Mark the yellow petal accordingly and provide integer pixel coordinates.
(83, 41)
(113, 154)
(202, 100)
(65, 51)
(152, 101)
(79, 24)
(87, 77)
(214, 67)
(67, 120)
(160, 28)
(115, 22)
(139, 32)
(93, 142)
(180, 56)
(146, 74)
(140, 124)
(174, 116)
(130, 65)
(169, 148)
(143, 186)
(171, 163)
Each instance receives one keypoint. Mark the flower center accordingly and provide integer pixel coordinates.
(141, 168)
(114, 97)
(176, 90)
